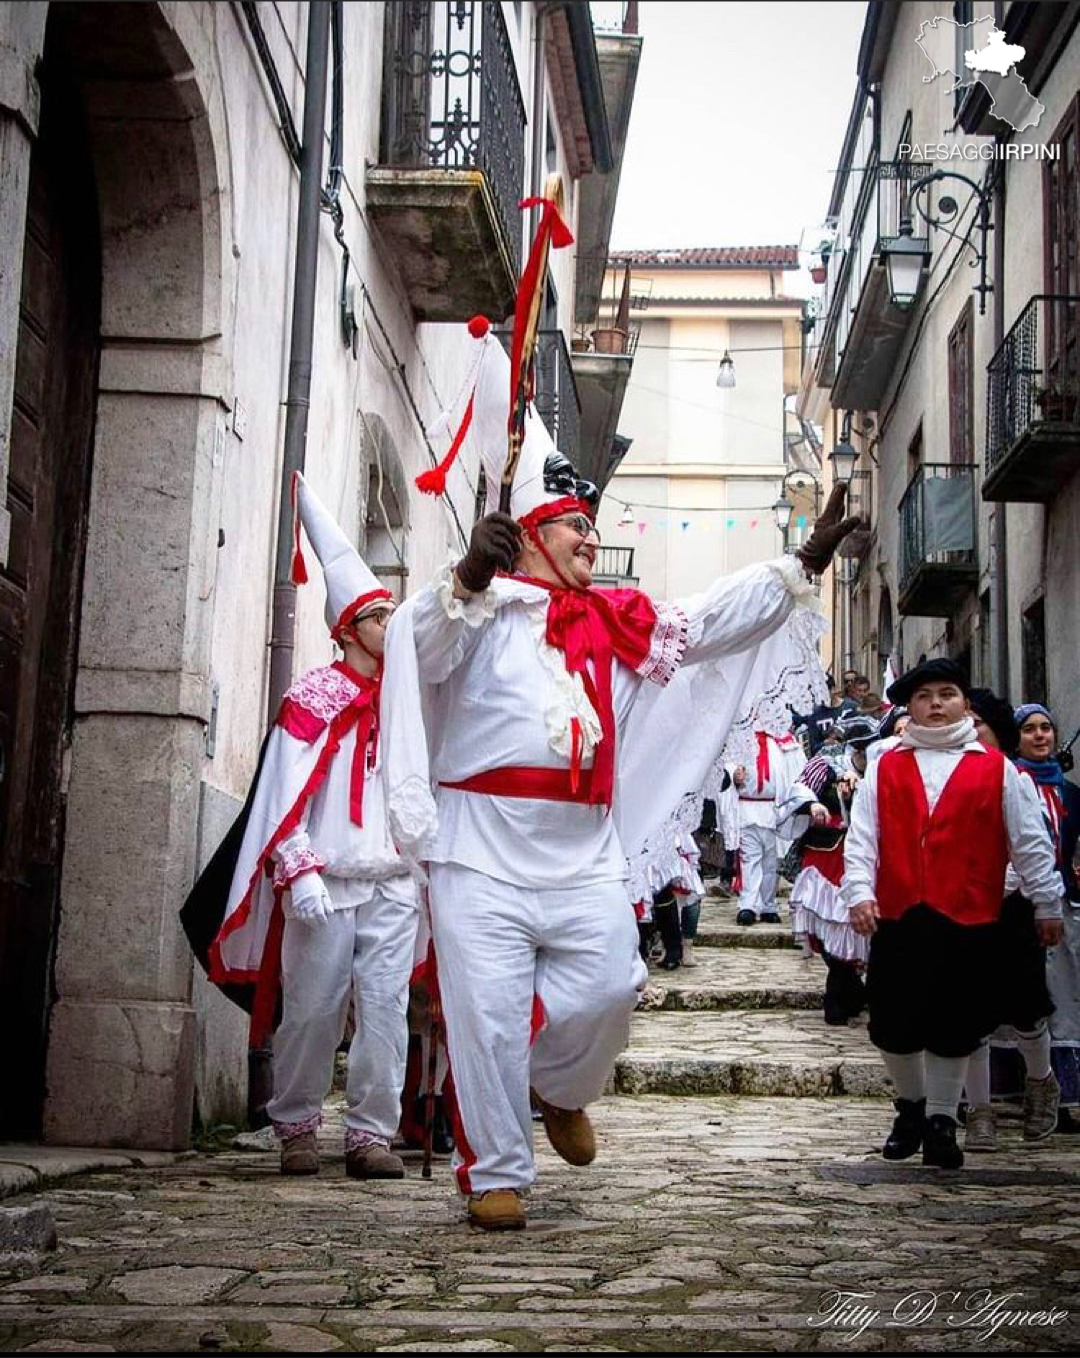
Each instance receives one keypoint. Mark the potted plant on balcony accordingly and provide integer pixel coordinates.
(1057, 403)
(610, 340)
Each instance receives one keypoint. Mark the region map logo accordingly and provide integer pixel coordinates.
(977, 53)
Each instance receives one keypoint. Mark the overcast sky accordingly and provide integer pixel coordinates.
(737, 121)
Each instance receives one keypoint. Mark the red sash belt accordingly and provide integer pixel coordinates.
(549, 785)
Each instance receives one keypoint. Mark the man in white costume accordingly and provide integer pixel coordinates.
(320, 899)
(540, 693)
(779, 760)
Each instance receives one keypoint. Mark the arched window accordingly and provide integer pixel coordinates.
(384, 505)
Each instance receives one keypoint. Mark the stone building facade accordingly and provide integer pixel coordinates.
(963, 404)
(148, 191)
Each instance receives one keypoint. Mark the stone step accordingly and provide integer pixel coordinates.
(741, 978)
(717, 928)
(787, 1053)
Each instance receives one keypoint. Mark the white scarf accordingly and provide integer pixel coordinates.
(954, 737)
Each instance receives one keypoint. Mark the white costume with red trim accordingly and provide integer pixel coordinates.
(778, 762)
(535, 736)
(319, 807)
(528, 893)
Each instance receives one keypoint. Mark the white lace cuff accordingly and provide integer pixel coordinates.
(793, 578)
(667, 646)
(295, 861)
(473, 611)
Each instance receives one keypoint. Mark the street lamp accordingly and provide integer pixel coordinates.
(905, 257)
(725, 378)
(783, 510)
(843, 458)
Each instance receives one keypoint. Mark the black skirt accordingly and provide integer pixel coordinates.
(1025, 998)
(934, 985)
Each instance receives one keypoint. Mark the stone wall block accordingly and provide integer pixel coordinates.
(129, 858)
(152, 462)
(120, 1074)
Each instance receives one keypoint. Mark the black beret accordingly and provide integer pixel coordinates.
(936, 671)
(998, 715)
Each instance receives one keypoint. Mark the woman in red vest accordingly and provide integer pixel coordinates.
(937, 821)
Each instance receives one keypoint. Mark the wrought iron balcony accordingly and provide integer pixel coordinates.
(452, 157)
(938, 558)
(556, 399)
(1033, 403)
(614, 566)
(865, 329)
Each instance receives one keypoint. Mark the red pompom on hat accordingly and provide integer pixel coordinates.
(479, 326)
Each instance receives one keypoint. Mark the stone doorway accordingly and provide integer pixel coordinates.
(120, 1044)
(48, 487)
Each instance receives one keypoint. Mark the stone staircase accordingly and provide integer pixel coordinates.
(746, 1020)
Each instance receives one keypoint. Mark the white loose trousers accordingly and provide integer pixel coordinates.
(365, 950)
(498, 946)
(758, 864)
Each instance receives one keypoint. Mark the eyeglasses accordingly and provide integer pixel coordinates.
(582, 525)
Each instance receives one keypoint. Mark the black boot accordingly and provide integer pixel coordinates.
(666, 915)
(907, 1132)
(939, 1143)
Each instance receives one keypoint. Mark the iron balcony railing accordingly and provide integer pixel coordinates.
(556, 394)
(1034, 378)
(937, 519)
(452, 100)
(877, 203)
(614, 563)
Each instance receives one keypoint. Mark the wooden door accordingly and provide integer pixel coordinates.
(47, 495)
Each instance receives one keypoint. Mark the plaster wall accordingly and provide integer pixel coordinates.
(198, 202)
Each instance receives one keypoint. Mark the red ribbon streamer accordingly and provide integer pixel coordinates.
(764, 769)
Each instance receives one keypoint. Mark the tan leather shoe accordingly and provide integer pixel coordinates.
(374, 1162)
(300, 1154)
(499, 1209)
(569, 1131)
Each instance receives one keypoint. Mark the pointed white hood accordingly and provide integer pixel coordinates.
(350, 585)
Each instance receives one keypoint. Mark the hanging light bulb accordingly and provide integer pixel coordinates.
(627, 517)
(725, 378)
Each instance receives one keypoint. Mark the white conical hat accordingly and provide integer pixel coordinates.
(350, 585)
(482, 428)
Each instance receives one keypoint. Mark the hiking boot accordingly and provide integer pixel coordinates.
(1041, 1098)
(374, 1161)
(300, 1154)
(499, 1209)
(569, 1131)
(907, 1131)
(981, 1134)
(746, 917)
(939, 1143)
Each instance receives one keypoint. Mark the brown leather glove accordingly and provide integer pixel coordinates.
(493, 546)
(829, 531)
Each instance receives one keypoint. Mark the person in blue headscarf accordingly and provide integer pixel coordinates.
(1037, 757)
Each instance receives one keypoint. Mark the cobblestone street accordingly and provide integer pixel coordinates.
(737, 1190)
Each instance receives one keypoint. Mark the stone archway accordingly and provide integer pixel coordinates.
(122, 1031)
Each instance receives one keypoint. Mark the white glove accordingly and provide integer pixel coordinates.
(311, 902)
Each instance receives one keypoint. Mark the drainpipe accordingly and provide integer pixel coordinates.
(297, 402)
(999, 597)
